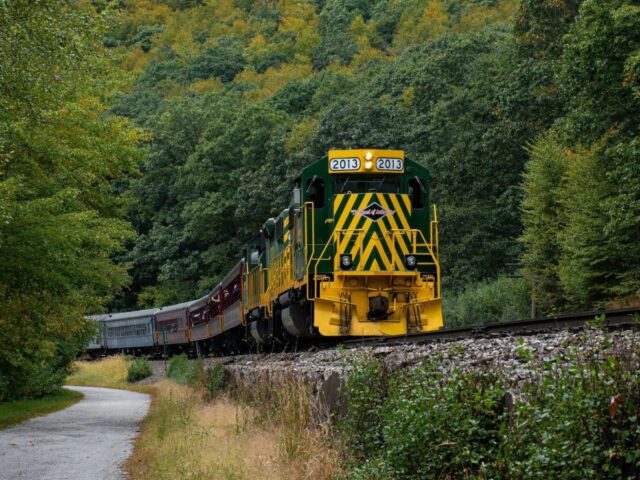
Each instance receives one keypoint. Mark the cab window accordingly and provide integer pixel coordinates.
(366, 184)
(417, 192)
(315, 191)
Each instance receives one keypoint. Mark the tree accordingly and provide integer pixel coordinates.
(61, 222)
(542, 217)
(597, 249)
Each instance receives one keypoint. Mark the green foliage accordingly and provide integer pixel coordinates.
(213, 380)
(500, 300)
(566, 428)
(241, 95)
(543, 182)
(575, 422)
(364, 395)
(223, 60)
(60, 221)
(184, 371)
(139, 369)
(457, 417)
(592, 192)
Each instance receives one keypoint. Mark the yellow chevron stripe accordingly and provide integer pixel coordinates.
(346, 211)
(366, 226)
(375, 267)
(377, 244)
(396, 205)
(389, 253)
(354, 223)
(407, 202)
(388, 241)
(392, 220)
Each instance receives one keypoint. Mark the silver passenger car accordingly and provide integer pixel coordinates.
(130, 329)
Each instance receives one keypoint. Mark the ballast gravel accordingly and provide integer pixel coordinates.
(87, 441)
(517, 359)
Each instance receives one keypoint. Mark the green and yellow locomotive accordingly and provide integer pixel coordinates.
(355, 254)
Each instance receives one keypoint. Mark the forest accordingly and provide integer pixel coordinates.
(142, 142)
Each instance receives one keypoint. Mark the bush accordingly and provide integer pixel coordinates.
(430, 425)
(499, 300)
(140, 368)
(182, 370)
(364, 394)
(576, 421)
(212, 380)
(570, 427)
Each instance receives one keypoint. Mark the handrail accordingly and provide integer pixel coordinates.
(255, 287)
(433, 232)
(315, 272)
(416, 236)
(280, 274)
(430, 247)
(308, 258)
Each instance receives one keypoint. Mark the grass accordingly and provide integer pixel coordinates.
(196, 431)
(306, 442)
(110, 372)
(12, 413)
(185, 436)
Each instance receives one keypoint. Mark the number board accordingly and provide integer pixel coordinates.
(390, 164)
(344, 164)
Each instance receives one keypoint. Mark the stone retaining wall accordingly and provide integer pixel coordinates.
(518, 359)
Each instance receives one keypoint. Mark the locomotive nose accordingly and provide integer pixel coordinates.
(378, 307)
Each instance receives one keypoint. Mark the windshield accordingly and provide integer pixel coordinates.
(366, 184)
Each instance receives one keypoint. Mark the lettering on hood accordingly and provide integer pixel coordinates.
(374, 211)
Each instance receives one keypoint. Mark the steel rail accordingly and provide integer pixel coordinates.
(613, 319)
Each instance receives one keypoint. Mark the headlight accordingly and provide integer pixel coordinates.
(411, 262)
(346, 261)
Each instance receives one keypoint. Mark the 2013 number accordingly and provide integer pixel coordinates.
(344, 164)
(394, 164)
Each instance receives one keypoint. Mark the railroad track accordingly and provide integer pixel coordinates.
(621, 318)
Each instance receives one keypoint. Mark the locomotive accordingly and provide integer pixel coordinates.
(354, 254)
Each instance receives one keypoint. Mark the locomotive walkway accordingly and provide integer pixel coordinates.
(89, 440)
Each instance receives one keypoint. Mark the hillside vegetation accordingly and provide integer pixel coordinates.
(142, 142)
(527, 119)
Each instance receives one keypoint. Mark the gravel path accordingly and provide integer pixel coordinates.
(87, 441)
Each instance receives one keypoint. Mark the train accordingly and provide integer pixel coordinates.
(354, 255)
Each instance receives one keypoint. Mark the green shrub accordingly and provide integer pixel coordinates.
(427, 424)
(499, 300)
(213, 380)
(138, 369)
(184, 371)
(566, 429)
(364, 395)
(431, 425)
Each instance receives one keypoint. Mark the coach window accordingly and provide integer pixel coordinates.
(417, 192)
(315, 191)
